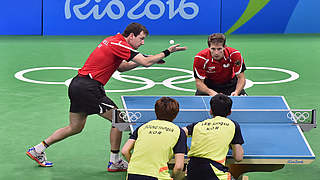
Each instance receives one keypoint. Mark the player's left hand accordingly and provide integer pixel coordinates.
(176, 47)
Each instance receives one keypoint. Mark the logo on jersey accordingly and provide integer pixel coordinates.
(211, 69)
(105, 42)
(226, 65)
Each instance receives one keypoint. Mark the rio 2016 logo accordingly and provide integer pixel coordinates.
(132, 12)
(152, 10)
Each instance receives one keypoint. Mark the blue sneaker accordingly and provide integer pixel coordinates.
(40, 158)
(120, 166)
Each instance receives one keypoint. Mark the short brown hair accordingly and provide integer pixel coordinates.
(136, 29)
(216, 38)
(166, 108)
(221, 105)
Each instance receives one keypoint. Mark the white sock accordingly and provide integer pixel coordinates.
(40, 147)
(114, 157)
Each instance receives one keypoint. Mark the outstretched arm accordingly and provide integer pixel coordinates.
(126, 66)
(150, 60)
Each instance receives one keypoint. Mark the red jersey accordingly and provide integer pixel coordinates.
(218, 72)
(106, 58)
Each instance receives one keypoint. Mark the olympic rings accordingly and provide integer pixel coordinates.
(298, 116)
(169, 82)
(293, 75)
(148, 83)
(130, 116)
(19, 75)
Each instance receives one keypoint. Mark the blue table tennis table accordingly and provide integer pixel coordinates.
(270, 138)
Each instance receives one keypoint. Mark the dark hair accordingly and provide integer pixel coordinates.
(136, 29)
(166, 108)
(217, 38)
(221, 105)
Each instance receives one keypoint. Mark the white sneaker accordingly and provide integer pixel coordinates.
(121, 165)
(40, 158)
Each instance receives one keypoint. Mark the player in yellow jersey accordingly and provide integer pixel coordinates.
(211, 140)
(154, 144)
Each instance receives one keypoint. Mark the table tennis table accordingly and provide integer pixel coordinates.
(270, 138)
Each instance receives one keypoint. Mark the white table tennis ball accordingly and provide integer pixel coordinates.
(171, 41)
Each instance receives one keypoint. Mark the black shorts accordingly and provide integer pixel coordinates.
(200, 168)
(88, 96)
(226, 89)
(140, 177)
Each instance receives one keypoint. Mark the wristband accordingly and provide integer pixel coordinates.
(166, 52)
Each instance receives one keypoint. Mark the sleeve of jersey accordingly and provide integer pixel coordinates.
(237, 139)
(190, 128)
(134, 135)
(198, 67)
(123, 51)
(181, 145)
(238, 61)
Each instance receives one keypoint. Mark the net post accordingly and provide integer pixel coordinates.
(122, 126)
(314, 120)
(307, 127)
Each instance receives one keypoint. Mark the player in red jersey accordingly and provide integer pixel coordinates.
(219, 69)
(86, 90)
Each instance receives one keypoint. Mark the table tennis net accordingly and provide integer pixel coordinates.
(187, 116)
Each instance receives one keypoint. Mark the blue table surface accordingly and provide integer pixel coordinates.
(202, 102)
(266, 135)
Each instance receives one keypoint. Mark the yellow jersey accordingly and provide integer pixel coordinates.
(156, 143)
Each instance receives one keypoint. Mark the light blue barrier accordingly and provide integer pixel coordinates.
(161, 17)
